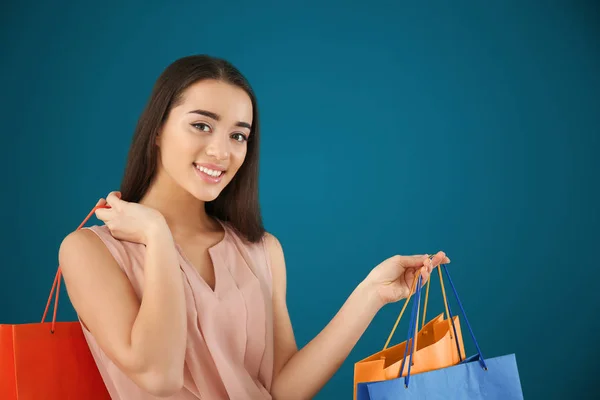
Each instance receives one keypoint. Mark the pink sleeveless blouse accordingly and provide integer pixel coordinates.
(229, 352)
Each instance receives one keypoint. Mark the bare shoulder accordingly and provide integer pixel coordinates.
(272, 244)
(276, 256)
(83, 256)
(81, 237)
(82, 246)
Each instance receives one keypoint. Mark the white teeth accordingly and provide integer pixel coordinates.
(210, 172)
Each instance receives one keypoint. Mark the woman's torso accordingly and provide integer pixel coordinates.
(229, 351)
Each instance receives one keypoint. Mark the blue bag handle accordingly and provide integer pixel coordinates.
(462, 310)
(451, 316)
(412, 328)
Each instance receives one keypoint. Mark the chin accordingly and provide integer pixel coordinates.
(205, 192)
(205, 195)
(206, 189)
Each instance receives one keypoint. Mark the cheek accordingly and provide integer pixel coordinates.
(177, 152)
(238, 156)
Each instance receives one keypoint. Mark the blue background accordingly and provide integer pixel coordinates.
(388, 127)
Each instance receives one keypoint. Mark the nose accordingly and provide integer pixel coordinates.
(218, 147)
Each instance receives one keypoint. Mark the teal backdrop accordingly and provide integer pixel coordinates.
(388, 128)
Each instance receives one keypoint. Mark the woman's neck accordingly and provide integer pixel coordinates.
(185, 214)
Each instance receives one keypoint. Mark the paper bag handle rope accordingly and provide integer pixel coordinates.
(451, 318)
(414, 321)
(462, 310)
(412, 289)
(448, 314)
(412, 331)
(58, 276)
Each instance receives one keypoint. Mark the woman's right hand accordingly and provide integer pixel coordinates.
(127, 221)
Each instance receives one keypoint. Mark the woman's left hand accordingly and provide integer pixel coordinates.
(393, 278)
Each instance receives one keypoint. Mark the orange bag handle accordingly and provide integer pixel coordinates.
(445, 302)
(58, 276)
(412, 290)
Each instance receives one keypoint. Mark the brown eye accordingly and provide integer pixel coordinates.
(240, 137)
(202, 127)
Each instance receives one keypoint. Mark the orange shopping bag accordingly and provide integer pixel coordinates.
(48, 360)
(438, 344)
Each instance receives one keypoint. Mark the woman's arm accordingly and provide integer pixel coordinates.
(300, 374)
(146, 338)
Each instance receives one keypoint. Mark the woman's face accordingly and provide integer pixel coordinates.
(203, 142)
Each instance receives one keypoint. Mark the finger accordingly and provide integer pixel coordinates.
(411, 275)
(101, 204)
(114, 199)
(437, 259)
(424, 271)
(103, 214)
(415, 261)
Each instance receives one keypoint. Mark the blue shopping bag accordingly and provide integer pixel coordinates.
(473, 378)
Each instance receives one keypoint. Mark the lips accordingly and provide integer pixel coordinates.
(209, 173)
(214, 172)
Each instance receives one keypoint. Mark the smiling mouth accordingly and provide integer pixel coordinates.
(211, 172)
(209, 175)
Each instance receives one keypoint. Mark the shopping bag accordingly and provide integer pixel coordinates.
(48, 360)
(435, 348)
(439, 344)
(472, 378)
(465, 381)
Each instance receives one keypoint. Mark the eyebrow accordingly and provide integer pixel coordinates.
(217, 117)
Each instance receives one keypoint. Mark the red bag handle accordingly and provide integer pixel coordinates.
(58, 276)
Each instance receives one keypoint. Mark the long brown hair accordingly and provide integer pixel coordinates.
(238, 203)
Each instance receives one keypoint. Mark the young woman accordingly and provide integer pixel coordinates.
(181, 293)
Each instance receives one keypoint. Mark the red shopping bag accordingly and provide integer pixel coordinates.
(48, 360)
